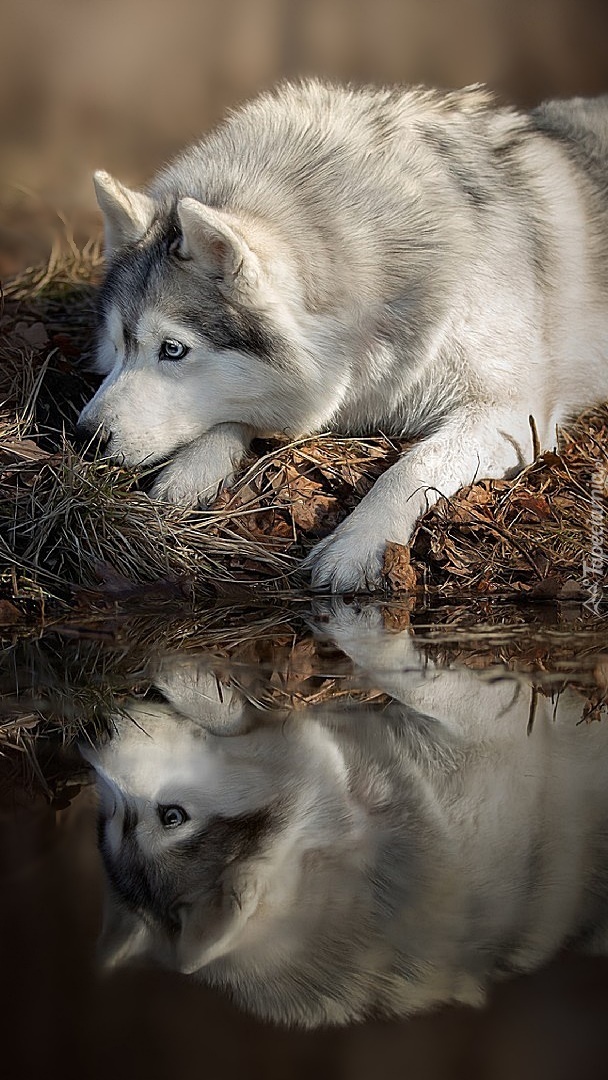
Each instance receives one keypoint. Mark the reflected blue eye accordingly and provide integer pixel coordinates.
(171, 349)
(172, 816)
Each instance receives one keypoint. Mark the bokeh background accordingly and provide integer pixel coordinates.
(123, 84)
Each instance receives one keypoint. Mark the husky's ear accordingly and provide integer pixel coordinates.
(204, 936)
(216, 241)
(127, 215)
(125, 938)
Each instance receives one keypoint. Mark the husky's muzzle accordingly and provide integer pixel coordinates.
(90, 438)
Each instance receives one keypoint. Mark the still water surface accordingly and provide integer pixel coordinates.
(350, 853)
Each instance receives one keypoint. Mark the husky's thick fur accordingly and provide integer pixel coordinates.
(333, 863)
(418, 262)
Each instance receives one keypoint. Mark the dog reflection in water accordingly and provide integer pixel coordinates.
(350, 860)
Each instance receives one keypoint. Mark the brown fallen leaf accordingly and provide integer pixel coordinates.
(115, 586)
(397, 568)
(270, 526)
(9, 614)
(25, 449)
(551, 459)
(478, 494)
(535, 507)
(314, 514)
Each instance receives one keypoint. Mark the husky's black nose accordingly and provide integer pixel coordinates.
(91, 439)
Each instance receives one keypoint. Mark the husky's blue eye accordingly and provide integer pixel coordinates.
(172, 816)
(172, 350)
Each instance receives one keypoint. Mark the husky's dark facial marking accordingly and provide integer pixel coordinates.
(148, 886)
(151, 274)
(423, 263)
(235, 329)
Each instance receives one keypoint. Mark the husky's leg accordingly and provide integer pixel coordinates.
(462, 700)
(194, 474)
(467, 447)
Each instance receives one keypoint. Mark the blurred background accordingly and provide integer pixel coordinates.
(124, 84)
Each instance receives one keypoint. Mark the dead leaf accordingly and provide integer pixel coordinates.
(535, 507)
(66, 345)
(9, 614)
(26, 449)
(551, 459)
(34, 334)
(479, 494)
(316, 515)
(397, 568)
(246, 494)
(270, 526)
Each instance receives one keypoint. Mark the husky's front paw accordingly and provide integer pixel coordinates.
(195, 474)
(350, 559)
(186, 487)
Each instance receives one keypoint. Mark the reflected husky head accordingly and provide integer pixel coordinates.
(238, 856)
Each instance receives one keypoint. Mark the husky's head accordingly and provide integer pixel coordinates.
(199, 326)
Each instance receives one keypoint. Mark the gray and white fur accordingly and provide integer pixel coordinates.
(422, 263)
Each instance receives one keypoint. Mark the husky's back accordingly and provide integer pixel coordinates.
(422, 263)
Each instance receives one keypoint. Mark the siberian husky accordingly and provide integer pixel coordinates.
(338, 862)
(423, 263)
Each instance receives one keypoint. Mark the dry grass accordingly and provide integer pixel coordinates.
(85, 533)
(531, 535)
